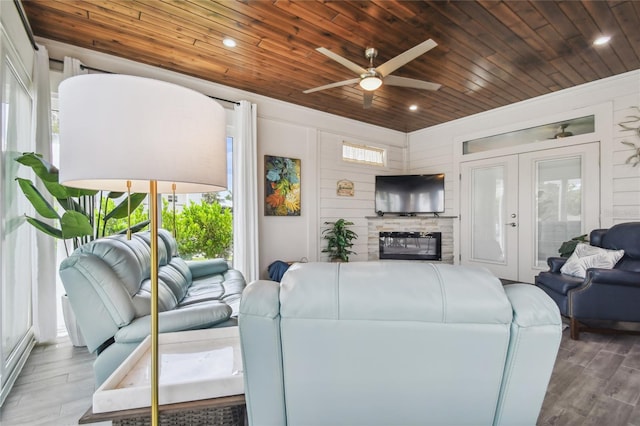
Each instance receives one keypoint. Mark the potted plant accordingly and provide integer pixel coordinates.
(567, 247)
(78, 220)
(339, 238)
(74, 219)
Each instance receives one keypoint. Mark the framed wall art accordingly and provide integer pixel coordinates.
(281, 186)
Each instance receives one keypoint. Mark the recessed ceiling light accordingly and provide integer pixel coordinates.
(601, 40)
(229, 42)
(413, 107)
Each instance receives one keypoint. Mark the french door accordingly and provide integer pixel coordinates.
(516, 210)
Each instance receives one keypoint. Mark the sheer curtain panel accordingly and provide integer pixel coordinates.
(245, 192)
(44, 284)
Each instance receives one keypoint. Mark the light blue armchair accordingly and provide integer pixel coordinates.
(395, 343)
(107, 282)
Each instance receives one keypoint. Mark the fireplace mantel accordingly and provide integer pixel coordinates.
(388, 223)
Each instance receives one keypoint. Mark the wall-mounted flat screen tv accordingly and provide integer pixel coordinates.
(410, 194)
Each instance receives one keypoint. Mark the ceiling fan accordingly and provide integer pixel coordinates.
(372, 78)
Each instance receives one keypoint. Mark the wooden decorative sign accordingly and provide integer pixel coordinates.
(344, 188)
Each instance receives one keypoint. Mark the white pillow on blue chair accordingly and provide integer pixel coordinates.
(586, 256)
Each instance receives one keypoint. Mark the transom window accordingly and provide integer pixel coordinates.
(363, 154)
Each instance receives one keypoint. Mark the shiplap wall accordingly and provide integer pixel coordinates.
(355, 209)
(435, 155)
(433, 149)
(626, 178)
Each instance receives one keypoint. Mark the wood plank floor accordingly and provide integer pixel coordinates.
(596, 381)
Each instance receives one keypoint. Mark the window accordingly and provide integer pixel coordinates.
(363, 154)
(558, 130)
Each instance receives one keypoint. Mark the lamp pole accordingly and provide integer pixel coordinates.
(153, 212)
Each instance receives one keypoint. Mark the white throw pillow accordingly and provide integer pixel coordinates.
(586, 256)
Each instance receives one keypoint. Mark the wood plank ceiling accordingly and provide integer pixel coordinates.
(489, 53)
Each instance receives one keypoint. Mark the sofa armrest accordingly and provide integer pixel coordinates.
(613, 277)
(555, 263)
(193, 317)
(259, 326)
(203, 268)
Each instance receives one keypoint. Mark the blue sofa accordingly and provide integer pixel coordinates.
(395, 343)
(109, 290)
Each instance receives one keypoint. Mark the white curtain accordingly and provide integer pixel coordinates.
(245, 192)
(44, 282)
(72, 67)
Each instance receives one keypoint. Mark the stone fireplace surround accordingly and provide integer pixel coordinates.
(389, 223)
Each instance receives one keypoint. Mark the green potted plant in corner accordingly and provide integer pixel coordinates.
(339, 238)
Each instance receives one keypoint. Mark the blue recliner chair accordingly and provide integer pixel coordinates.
(604, 294)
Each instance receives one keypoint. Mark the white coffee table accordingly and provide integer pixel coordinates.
(198, 365)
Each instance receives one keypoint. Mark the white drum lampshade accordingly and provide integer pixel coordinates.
(119, 128)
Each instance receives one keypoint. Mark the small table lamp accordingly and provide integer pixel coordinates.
(118, 131)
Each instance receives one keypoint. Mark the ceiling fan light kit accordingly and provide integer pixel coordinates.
(370, 82)
(372, 78)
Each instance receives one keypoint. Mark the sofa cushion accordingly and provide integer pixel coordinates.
(163, 257)
(623, 236)
(142, 299)
(170, 243)
(129, 260)
(586, 256)
(201, 268)
(201, 289)
(194, 317)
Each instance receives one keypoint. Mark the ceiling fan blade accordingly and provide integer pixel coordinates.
(343, 61)
(393, 80)
(368, 99)
(393, 64)
(332, 85)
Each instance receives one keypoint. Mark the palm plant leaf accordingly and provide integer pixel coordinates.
(42, 206)
(121, 211)
(41, 167)
(70, 204)
(75, 224)
(44, 227)
(137, 227)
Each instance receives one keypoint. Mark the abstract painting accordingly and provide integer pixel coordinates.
(282, 186)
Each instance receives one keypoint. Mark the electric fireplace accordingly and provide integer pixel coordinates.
(411, 245)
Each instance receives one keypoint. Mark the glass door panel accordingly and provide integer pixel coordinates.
(558, 204)
(488, 201)
(559, 200)
(488, 210)
(16, 235)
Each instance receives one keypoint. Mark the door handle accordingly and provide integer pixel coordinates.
(511, 224)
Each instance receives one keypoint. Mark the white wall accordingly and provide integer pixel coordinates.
(287, 130)
(438, 149)
(332, 169)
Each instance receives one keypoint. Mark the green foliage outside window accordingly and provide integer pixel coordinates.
(119, 225)
(203, 229)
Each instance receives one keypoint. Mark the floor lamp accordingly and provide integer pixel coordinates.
(118, 131)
